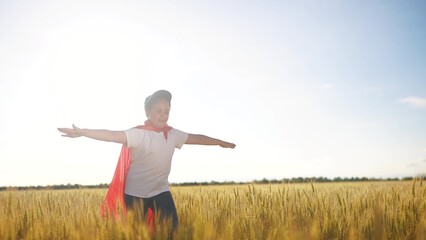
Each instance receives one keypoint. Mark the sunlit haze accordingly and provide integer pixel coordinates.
(304, 88)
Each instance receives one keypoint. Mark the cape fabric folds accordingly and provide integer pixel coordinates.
(113, 203)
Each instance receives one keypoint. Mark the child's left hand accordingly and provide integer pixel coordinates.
(227, 145)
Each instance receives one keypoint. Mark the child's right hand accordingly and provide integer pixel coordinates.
(71, 132)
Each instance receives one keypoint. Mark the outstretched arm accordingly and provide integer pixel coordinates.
(98, 134)
(205, 140)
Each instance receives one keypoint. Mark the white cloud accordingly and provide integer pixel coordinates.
(417, 102)
(419, 163)
(327, 85)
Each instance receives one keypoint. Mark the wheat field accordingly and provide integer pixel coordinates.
(367, 210)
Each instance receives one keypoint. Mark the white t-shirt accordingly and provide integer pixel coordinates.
(151, 156)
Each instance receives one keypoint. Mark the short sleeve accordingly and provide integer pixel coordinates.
(134, 137)
(181, 138)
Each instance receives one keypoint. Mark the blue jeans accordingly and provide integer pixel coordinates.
(162, 203)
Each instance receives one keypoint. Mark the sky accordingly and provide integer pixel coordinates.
(304, 88)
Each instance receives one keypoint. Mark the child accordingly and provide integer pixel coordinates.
(151, 148)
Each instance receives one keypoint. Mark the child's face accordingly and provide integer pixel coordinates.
(158, 114)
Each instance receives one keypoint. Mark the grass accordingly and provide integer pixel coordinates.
(370, 210)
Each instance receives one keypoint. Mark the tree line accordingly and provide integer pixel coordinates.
(262, 181)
